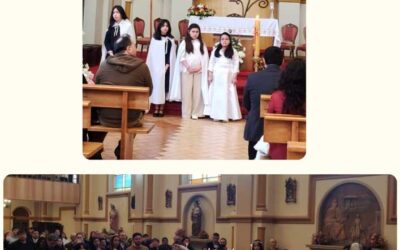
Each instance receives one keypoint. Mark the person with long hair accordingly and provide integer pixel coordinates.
(118, 25)
(257, 245)
(161, 61)
(290, 98)
(190, 77)
(115, 243)
(222, 71)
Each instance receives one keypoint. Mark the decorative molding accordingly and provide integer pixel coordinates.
(87, 194)
(48, 218)
(392, 201)
(261, 191)
(149, 198)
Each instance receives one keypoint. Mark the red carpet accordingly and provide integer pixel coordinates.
(174, 108)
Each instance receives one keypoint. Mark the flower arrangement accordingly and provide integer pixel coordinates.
(201, 11)
(87, 74)
(238, 47)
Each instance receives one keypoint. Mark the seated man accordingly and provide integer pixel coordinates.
(214, 244)
(273, 244)
(124, 68)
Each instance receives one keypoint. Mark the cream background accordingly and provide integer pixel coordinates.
(353, 87)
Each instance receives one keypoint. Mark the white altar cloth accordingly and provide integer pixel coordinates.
(238, 26)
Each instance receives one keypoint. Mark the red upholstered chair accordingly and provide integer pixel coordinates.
(156, 22)
(302, 47)
(183, 27)
(138, 24)
(289, 34)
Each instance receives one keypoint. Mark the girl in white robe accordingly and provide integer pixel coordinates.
(190, 77)
(222, 72)
(161, 62)
(119, 25)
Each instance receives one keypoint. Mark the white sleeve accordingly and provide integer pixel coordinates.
(235, 59)
(212, 61)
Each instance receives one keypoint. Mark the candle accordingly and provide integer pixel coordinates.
(257, 37)
(271, 9)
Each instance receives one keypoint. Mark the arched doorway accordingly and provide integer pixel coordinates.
(21, 218)
(349, 213)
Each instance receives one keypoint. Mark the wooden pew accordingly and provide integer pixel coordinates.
(296, 150)
(282, 128)
(89, 148)
(124, 98)
(264, 101)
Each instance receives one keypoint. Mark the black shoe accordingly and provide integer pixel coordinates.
(161, 114)
(156, 114)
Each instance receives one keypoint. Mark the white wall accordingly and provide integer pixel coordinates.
(303, 22)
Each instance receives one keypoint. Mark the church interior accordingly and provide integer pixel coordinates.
(169, 134)
(298, 211)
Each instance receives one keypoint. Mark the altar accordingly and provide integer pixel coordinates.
(243, 28)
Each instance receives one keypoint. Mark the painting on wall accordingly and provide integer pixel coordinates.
(349, 213)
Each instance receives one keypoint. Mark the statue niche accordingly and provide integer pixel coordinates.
(349, 213)
(196, 218)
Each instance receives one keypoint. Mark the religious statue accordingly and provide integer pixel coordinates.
(196, 219)
(113, 219)
(333, 222)
(133, 201)
(168, 198)
(356, 230)
(231, 194)
(100, 202)
(291, 190)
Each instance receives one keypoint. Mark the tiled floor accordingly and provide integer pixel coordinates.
(177, 138)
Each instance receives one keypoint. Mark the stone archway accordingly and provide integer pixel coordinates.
(349, 213)
(21, 218)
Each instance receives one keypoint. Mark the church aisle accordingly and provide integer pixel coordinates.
(177, 138)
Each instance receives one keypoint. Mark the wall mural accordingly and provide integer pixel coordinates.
(349, 213)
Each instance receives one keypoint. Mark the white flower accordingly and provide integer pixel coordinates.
(241, 54)
(240, 60)
(200, 6)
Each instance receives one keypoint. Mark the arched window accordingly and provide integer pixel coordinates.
(122, 182)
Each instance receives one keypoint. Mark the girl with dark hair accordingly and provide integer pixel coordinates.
(119, 25)
(161, 61)
(290, 98)
(190, 74)
(222, 71)
(115, 243)
(257, 245)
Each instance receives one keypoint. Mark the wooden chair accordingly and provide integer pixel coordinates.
(121, 97)
(282, 128)
(156, 22)
(183, 27)
(139, 25)
(303, 46)
(89, 148)
(264, 101)
(289, 34)
(296, 150)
